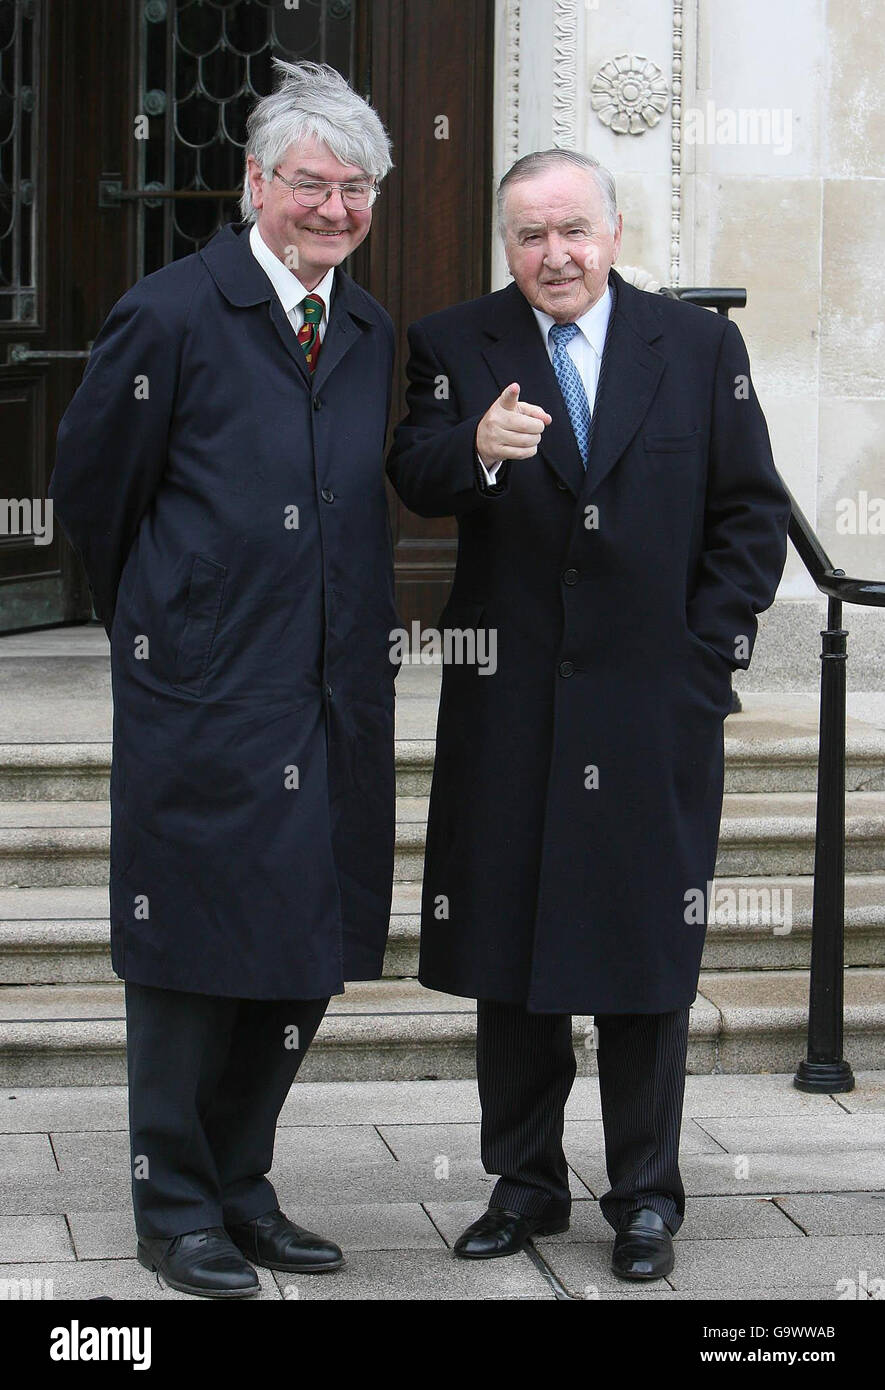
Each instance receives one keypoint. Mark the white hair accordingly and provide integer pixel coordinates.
(538, 163)
(312, 100)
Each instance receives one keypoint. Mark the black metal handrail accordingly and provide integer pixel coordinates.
(823, 1068)
(833, 582)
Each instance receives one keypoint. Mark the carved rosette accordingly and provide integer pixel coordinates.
(630, 94)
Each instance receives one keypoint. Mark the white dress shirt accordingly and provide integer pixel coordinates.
(585, 350)
(290, 291)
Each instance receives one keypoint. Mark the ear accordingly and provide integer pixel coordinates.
(617, 238)
(506, 249)
(256, 181)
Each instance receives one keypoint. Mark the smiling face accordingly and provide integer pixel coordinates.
(322, 237)
(558, 245)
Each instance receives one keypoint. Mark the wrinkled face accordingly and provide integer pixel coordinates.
(558, 245)
(308, 240)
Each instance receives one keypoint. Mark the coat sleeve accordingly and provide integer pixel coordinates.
(112, 440)
(746, 515)
(433, 463)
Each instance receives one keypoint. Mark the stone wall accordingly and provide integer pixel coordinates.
(748, 143)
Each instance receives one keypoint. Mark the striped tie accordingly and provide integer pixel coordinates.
(309, 332)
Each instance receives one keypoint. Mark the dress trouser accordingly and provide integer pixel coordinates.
(207, 1080)
(525, 1067)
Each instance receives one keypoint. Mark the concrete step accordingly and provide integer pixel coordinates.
(756, 924)
(55, 771)
(761, 834)
(768, 747)
(772, 745)
(46, 844)
(61, 935)
(394, 1030)
(772, 833)
(55, 936)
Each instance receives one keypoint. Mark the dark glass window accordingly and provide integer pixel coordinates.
(19, 20)
(203, 64)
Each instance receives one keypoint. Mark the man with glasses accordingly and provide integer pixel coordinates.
(220, 471)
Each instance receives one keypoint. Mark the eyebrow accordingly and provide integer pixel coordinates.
(563, 222)
(321, 178)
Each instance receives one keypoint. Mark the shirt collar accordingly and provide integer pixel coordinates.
(593, 324)
(286, 283)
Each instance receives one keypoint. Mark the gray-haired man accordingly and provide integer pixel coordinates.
(220, 470)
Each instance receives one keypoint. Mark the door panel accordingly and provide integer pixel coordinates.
(431, 69)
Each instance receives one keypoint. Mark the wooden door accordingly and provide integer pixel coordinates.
(432, 82)
(122, 125)
(61, 109)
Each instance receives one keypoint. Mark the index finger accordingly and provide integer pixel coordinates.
(536, 410)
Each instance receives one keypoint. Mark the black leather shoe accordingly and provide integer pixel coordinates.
(203, 1262)
(499, 1232)
(275, 1242)
(643, 1247)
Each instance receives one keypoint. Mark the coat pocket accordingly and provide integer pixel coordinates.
(713, 678)
(201, 620)
(671, 443)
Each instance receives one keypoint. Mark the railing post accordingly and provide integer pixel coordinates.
(824, 1068)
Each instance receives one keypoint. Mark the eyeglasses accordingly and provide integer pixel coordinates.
(312, 194)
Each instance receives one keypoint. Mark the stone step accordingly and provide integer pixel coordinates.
(761, 833)
(766, 749)
(54, 843)
(55, 771)
(46, 844)
(772, 833)
(394, 1030)
(61, 935)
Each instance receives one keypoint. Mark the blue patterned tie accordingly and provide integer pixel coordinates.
(571, 385)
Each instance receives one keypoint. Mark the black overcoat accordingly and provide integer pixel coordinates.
(232, 519)
(577, 791)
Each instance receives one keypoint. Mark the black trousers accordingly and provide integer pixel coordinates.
(207, 1080)
(525, 1066)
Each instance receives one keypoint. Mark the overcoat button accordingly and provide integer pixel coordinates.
(327, 495)
(563, 487)
(566, 668)
(570, 577)
(317, 403)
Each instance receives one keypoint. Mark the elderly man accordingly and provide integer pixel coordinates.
(220, 470)
(620, 526)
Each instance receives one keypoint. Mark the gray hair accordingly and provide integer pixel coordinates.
(538, 163)
(312, 100)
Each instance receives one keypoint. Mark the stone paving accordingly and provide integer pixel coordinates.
(786, 1194)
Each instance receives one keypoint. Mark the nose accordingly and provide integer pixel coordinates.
(331, 208)
(557, 253)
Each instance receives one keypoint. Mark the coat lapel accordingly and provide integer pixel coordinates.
(632, 372)
(288, 337)
(344, 330)
(517, 353)
(230, 261)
